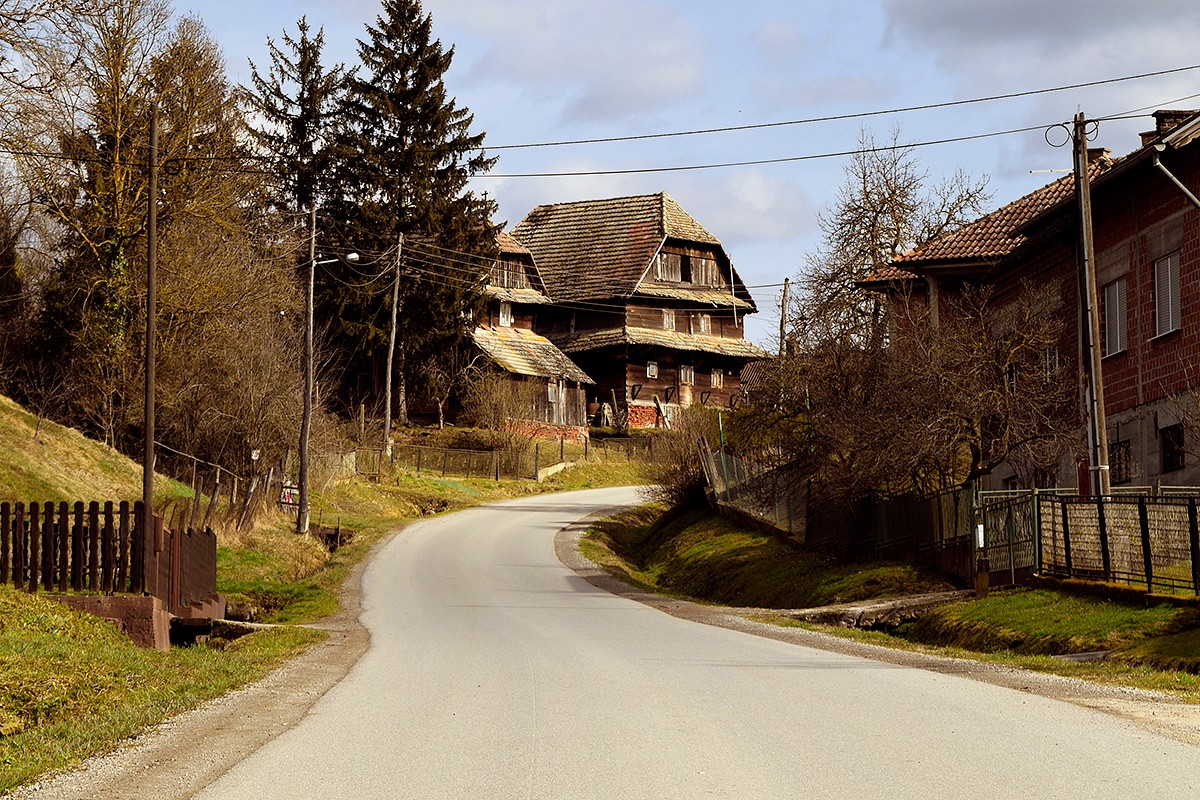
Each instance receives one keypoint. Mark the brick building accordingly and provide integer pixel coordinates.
(1147, 252)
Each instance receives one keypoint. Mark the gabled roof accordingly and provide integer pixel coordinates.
(523, 352)
(513, 251)
(600, 249)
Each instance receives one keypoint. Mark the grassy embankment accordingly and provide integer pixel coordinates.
(1152, 645)
(71, 686)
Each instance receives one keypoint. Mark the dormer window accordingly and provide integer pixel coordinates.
(506, 317)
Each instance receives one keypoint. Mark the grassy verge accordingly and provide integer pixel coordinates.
(71, 686)
(708, 559)
(702, 557)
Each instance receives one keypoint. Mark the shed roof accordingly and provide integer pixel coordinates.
(614, 337)
(523, 352)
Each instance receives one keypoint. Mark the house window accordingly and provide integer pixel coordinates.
(706, 323)
(1011, 373)
(668, 319)
(552, 392)
(1049, 364)
(506, 318)
(1166, 294)
(717, 379)
(1120, 456)
(687, 374)
(1116, 318)
(1170, 443)
(651, 369)
(668, 267)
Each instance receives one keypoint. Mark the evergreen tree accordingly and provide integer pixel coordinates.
(405, 152)
(295, 101)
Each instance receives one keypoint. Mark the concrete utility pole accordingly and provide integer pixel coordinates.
(387, 393)
(1090, 328)
(151, 311)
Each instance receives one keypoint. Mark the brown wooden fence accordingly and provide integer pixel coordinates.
(102, 548)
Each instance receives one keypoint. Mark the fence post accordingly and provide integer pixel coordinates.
(108, 548)
(63, 546)
(1037, 531)
(1194, 537)
(1066, 520)
(33, 557)
(1147, 560)
(537, 459)
(19, 551)
(48, 549)
(445, 461)
(629, 450)
(1104, 551)
(124, 554)
(94, 557)
(420, 453)
(5, 538)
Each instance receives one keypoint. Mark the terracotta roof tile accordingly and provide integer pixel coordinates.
(995, 235)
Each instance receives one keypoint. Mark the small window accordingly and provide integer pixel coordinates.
(668, 319)
(1119, 462)
(552, 392)
(651, 369)
(1166, 294)
(717, 379)
(506, 317)
(1116, 318)
(687, 374)
(668, 267)
(1170, 442)
(706, 323)
(1011, 375)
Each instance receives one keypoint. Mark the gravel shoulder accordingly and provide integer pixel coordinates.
(177, 759)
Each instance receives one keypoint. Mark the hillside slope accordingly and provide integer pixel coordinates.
(55, 463)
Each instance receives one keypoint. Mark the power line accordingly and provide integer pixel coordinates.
(841, 117)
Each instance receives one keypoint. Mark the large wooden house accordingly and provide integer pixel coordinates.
(546, 385)
(645, 300)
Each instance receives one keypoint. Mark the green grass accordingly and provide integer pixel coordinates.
(1041, 622)
(72, 686)
(708, 558)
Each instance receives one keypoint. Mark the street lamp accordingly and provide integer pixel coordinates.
(302, 508)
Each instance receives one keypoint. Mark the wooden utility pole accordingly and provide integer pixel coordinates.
(1090, 327)
(302, 509)
(387, 393)
(783, 312)
(151, 312)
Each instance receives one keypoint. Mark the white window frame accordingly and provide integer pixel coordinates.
(506, 315)
(717, 378)
(687, 375)
(1116, 317)
(651, 369)
(706, 323)
(1166, 295)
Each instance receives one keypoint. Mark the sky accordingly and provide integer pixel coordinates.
(536, 71)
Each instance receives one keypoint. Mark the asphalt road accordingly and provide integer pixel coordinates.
(496, 672)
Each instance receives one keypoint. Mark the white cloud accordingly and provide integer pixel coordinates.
(608, 60)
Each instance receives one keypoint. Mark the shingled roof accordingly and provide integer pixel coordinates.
(619, 337)
(599, 249)
(523, 352)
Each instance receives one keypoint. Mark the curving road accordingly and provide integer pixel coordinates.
(495, 672)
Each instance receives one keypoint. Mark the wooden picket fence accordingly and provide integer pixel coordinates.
(102, 548)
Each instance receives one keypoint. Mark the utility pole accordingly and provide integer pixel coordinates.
(783, 311)
(1090, 328)
(151, 311)
(387, 394)
(306, 418)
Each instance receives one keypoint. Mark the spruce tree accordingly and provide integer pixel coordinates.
(405, 152)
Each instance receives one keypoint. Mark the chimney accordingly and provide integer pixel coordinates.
(1165, 121)
(1094, 154)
